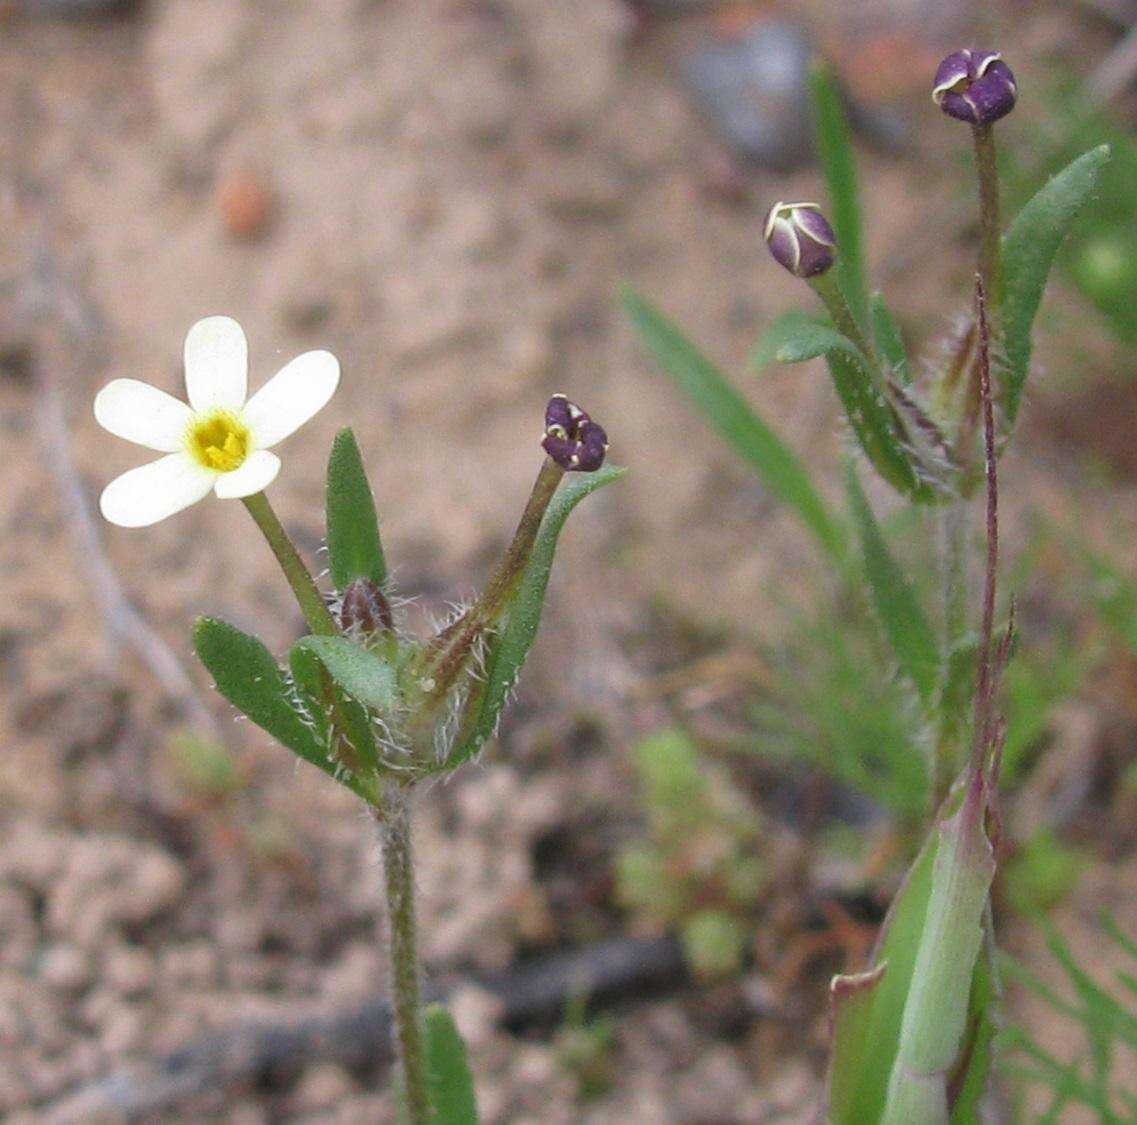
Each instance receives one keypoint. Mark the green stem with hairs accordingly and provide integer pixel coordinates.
(947, 752)
(826, 287)
(311, 603)
(393, 819)
(512, 565)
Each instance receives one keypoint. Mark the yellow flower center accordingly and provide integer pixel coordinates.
(218, 440)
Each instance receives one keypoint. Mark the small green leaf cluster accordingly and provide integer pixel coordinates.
(584, 1046)
(699, 869)
(367, 704)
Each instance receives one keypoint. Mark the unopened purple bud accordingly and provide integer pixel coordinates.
(975, 86)
(800, 238)
(365, 608)
(572, 438)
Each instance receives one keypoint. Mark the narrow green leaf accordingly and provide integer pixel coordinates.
(247, 675)
(866, 408)
(510, 647)
(936, 1008)
(784, 327)
(835, 149)
(361, 673)
(888, 339)
(448, 1073)
(1028, 253)
(354, 547)
(901, 615)
(867, 1011)
(969, 1084)
(346, 717)
(732, 418)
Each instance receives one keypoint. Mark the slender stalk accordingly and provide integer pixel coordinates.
(990, 236)
(826, 287)
(947, 757)
(512, 565)
(393, 819)
(316, 613)
(449, 651)
(981, 736)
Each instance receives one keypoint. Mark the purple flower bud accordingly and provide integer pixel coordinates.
(975, 86)
(365, 608)
(800, 238)
(572, 438)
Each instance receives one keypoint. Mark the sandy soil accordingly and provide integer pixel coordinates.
(452, 193)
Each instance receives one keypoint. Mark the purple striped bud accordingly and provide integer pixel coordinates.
(800, 238)
(975, 86)
(572, 439)
(365, 608)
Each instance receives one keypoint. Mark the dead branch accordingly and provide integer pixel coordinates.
(360, 1036)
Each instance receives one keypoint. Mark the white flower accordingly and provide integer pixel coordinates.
(220, 441)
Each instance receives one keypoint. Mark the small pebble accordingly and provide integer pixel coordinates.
(65, 966)
(753, 88)
(247, 205)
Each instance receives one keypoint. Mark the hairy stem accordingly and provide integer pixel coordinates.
(393, 819)
(954, 543)
(990, 236)
(826, 287)
(311, 603)
(512, 565)
(985, 687)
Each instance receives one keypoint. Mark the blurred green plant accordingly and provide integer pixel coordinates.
(698, 871)
(206, 768)
(1101, 255)
(1096, 1078)
(584, 1046)
(911, 1035)
(1042, 872)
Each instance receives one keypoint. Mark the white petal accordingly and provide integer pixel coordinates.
(143, 414)
(217, 364)
(258, 471)
(296, 392)
(152, 492)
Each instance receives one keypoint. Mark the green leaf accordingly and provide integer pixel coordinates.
(765, 351)
(354, 548)
(509, 648)
(247, 675)
(923, 1006)
(897, 605)
(732, 418)
(868, 1008)
(346, 717)
(1028, 253)
(837, 165)
(888, 339)
(970, 1082)
(448, 1073)
(935, 1021)
(869, 414)
(361, 673)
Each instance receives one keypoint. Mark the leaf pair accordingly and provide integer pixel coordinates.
(289, 707)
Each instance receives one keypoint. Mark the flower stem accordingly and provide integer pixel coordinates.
(947, 751)
(826, 287)
(393, 818)
(316, 613)
(990, 237)
(512, 565)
